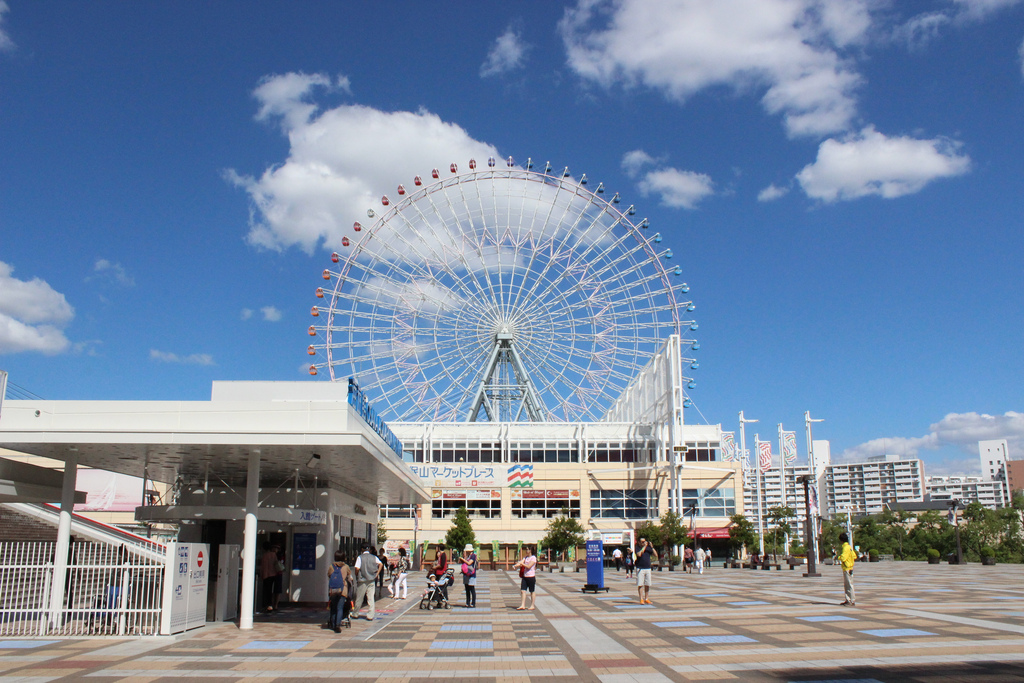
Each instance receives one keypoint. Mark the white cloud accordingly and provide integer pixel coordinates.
(193, 359)
(271, 314)
(6, 44)
(114, 271)
(633, 161)
(790, 49)
(507, 54)
(1020, 51)
(982, 8)
(771, 193)
(962, 430)
(341, 162)
(678, 189)
(246, 313)
(870, 163)
(32, 315)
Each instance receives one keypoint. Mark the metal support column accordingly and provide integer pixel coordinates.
(249, 550)
(60, 557)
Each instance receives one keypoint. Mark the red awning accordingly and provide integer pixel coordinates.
(715, 532)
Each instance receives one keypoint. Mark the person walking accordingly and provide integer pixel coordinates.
(846, 558)
(268, 575)
(629, 564)
(367, 566)
(339, 578)
(440, 567)
(527, 567)
(688, 558)
(617, 558)
(707, 558)
(399, 583)
(701, 556)
(644, 556)
(382, 572)
(470, 564)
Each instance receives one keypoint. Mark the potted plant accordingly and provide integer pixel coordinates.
(933, 556)
(988, 556)
(872, 556)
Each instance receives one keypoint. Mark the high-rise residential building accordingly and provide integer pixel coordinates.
(772, 495)
(993, 456)
(866, 487)
(990, 493)
(1014, 477)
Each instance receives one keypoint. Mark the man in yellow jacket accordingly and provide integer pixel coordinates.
(846, 558)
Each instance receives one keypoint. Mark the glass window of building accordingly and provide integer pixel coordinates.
(544, 503)
(617, 452)
(623, 504)
(701, 451)
(398, 511)
(715, 502)
(479, 503)
(544, 452)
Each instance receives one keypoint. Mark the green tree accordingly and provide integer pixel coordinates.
(650, 531)
(563, 532)
(460, 533)
(894, 523)
(779, 516)
(830, 530)
(741, 534)
(673, 533)
(382, 533)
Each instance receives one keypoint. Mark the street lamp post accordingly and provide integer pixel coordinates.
(813, 546)
(810, 531)
(955, 521)
(743, 454)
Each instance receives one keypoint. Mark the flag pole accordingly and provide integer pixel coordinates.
(782, 479)
(743, 447)
(760, 496)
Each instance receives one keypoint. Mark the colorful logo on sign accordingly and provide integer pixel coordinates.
(520, 475)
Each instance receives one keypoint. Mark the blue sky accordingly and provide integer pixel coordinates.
(840, 180)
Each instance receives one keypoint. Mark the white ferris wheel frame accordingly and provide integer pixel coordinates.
(570, 393)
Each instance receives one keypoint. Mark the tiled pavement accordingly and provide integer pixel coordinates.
(912, 622)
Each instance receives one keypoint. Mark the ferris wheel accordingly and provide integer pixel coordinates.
(502, 293)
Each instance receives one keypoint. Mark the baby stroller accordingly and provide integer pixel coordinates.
(436, 594)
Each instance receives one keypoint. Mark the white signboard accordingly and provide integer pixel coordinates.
(189, 583)
(482, 475)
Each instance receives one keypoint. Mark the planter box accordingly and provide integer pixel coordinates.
(988, 561)
(934, 560)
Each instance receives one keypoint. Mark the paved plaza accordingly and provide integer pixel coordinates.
(912, 622)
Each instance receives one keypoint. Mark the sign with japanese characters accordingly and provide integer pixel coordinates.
(478, 475)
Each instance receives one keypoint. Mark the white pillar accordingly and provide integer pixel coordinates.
(60, 557)
(252, 504)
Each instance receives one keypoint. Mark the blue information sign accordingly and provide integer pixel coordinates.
(595, 565)
(304, 551)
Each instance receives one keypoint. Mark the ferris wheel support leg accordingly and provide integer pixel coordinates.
(252, 504)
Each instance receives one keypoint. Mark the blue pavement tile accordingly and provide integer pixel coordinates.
(717, 640)
(24, 644)
(711, 595)
(896, 632)
(472, 610)
(828, 617)
(462, 645)
(466, 627)
(1008, 597)
(634, 606)
(679, 624)
(902, 599)
(744, 603)
(275, 645)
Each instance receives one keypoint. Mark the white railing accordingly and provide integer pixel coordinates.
(108, 589)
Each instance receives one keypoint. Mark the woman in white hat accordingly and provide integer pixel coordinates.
(470, 563)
